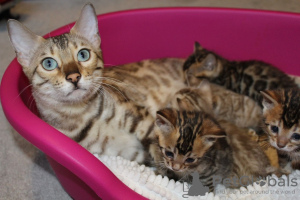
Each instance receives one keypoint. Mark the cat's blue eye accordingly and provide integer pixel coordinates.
(296, 136)
(83, 55)
(49, 64)
(169, 154)
(274, 129)
(189, 160)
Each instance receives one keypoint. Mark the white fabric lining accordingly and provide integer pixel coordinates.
(143, 180)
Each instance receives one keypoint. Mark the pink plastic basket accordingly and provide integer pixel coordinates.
(131, 36)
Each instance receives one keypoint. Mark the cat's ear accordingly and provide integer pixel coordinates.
(270, 99)
(212, 138)
(191, 79)
(166, 120)
(204, 85)
(24, 41)
(205, 88)
(87, 25)
(185, 104)
(197, 47)
(210, 62)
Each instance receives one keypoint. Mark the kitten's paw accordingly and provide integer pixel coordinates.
(288, 167)
(253, 134)
(279, 172)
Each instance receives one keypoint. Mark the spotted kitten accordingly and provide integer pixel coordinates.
(106, 110)
(193, 141)
(281, 114)
(221, 103)
(244, 77)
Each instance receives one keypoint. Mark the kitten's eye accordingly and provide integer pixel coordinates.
(189, 160)
(169, 154)
(83, 55)
(49, 64)
(274, 129)
(295, 136)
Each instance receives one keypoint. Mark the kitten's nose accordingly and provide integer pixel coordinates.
(281, 142)
(281, 145)
(73, 78)
(176, 167)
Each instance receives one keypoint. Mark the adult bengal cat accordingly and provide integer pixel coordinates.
(106, 110)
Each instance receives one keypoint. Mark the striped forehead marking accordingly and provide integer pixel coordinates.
(61, 41)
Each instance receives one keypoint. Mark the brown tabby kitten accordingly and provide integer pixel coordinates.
(281, 114)
(244, 77)
(190, 141)
(222, 104)
(103, 109)
(226, 105)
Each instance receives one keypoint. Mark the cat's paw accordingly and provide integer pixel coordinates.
(252, 133)
(279, 172)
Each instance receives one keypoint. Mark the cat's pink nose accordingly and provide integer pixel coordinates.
(176, 167)
(74, 77)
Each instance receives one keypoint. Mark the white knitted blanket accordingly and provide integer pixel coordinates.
(143, 180)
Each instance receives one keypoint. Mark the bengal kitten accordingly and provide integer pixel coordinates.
(244, 77)
(281, 114)
(221, 103)
(226, 105)
(189, 141)
(78, 96)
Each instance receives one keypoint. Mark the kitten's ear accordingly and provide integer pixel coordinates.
(214, 137)
(185, 104)
(24, 41)
(270, 99)
(191, 79)
(204, 85)
(166, 120)
(210, 62)
(205, 88)
(87, 25)
(197, 47)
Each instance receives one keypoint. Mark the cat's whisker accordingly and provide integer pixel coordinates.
(110, 79)
(32, 99)
(99, 89)
(106, 94)
(113, 87)
(130, 86)
(23, 90)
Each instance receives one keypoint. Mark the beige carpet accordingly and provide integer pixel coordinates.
(24, 171)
